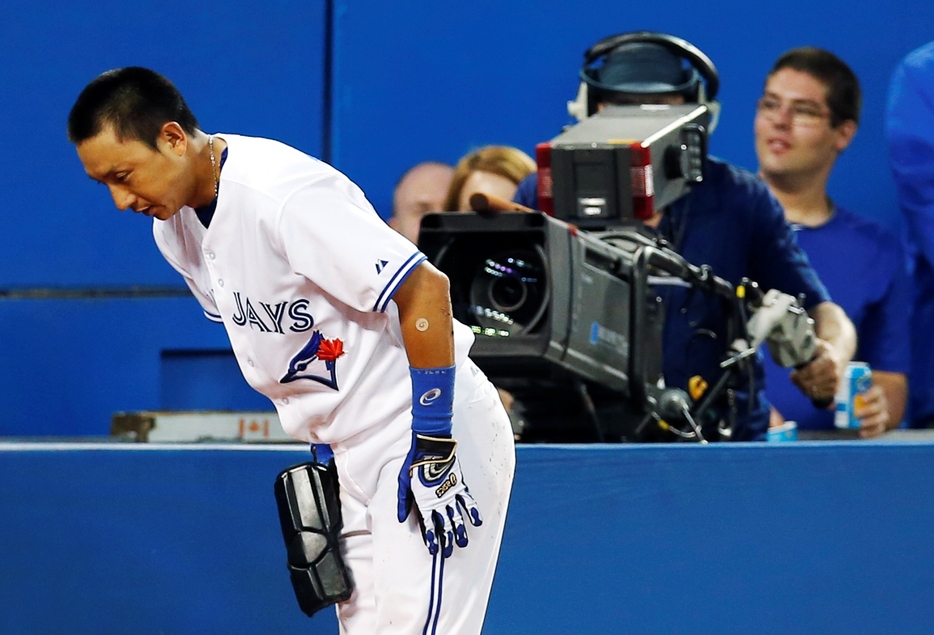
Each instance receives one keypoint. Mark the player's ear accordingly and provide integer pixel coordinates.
(174, 137)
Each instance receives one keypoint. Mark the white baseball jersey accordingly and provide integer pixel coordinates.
(301, 270)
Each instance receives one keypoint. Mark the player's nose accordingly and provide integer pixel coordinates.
(122, 197)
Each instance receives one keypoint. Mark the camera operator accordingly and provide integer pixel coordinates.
(729, 222)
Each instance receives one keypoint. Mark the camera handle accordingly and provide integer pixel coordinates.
(654, 255)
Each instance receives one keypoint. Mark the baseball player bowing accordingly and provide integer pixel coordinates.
(344, 325)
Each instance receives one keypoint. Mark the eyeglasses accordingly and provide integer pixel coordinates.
(802, 114)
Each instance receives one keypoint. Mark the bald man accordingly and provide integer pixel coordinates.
(420, 191)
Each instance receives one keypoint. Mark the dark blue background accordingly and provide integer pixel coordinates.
(408, 82)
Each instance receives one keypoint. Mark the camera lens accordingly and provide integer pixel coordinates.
(508, 294)
(509, 291)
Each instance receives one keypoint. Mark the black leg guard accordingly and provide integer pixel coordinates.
(310, 513)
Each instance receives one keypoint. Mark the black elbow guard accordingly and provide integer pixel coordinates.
(308, 497)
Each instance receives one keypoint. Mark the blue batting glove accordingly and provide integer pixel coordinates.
(431, 476)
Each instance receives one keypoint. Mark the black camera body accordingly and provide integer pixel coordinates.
(550, 305)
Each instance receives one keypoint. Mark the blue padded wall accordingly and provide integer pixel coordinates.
(206, 379)
(68, 365)
(251, 68)
(798, 538)
(819, 537)
(428, 81)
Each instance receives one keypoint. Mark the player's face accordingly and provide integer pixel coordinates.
(151, 182)
(488, 183)
(794, 136)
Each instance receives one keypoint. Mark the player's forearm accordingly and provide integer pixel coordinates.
(425, 316)
(833, 326)
(895, 386)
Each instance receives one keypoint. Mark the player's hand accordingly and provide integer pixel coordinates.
(819, 378)
(872, 409)
(431, 478)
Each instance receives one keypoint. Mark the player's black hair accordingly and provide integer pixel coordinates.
(136, 101)
(844, 98)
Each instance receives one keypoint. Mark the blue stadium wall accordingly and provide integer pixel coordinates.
(789, 538)
(95, 322)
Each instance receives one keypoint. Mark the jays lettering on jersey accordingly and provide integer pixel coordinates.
(301, 271)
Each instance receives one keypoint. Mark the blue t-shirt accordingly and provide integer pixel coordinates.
(863, 266)
(909, 127)
(732, 223)
(527, 192)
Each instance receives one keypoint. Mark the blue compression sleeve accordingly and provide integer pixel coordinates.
(432, 400)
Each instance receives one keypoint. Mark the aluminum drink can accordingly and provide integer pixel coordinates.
(857, 379)
(788, 431)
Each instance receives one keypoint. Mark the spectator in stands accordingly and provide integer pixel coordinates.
(806, 118)
(420, 191)
(730, 222)
(495, 170)
(910, 131)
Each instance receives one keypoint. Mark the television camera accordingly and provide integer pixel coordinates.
(565, 319)
(567, 306)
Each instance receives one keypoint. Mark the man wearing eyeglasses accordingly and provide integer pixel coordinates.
(807, 116)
